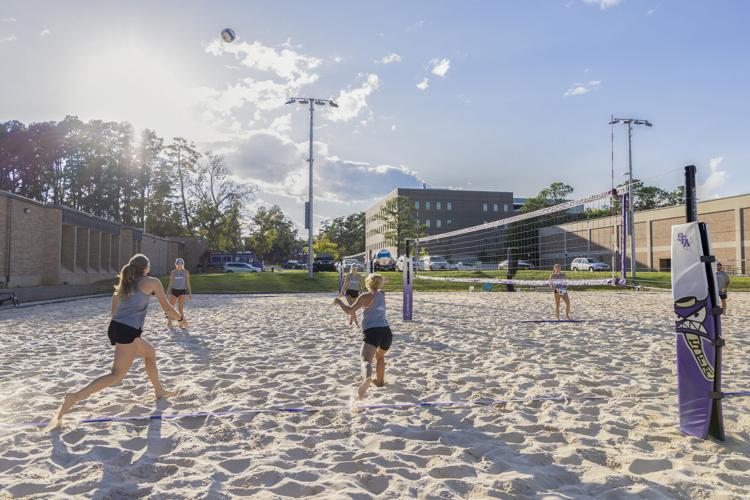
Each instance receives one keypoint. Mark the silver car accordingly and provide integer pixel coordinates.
(240, 267)
(588, 264)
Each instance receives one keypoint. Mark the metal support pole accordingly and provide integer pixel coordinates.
(631, 199)
(310, 200)
(691, 204)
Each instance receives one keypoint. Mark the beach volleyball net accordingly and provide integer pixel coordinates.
(584, 236)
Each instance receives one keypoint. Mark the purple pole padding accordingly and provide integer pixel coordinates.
(341, 276)
(408, 307)
(698, 329)
(624, 236)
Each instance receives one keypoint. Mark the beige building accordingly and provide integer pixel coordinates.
(44, 244)
(728, 221)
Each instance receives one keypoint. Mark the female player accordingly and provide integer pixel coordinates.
(129, 306)
(376, 332)
(352, 287)
(560, 291)
(179, 286)
(722, 279)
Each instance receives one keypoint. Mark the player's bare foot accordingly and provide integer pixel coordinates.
(362, 390)
(56, 422)
(164, 394)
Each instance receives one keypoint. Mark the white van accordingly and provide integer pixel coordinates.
(432, 263)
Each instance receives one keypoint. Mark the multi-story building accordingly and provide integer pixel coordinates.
(439, 211)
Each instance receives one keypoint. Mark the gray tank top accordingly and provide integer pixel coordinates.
(353, 283)
(131, 310)
(374, 316)
(179, 280)
(561, 288)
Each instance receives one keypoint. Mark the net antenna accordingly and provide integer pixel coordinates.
(579, 235)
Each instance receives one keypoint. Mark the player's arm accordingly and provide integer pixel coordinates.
(187, 284)
(363, 300)
(154, 286)
(115, 302)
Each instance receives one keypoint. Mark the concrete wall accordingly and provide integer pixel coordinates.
(42, 245)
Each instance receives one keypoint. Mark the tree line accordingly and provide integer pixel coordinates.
(107, 170)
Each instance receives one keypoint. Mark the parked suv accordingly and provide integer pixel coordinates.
(323, 262)
(384, 261)
(588, 264)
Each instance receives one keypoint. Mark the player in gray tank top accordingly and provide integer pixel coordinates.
(376, 332)
(722, 280)
(560, 291)
(179, 287)
(351, 289)
(128, 312)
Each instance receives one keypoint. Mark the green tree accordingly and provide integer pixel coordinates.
(398, 222)
(272, 237)
(347, 233)
(322, 244)
(183, 157)
(217, 202)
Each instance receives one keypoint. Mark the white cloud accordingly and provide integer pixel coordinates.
(650, 11)
(440, 67)
(717, 178)
(11, 38)
(582, 88)
(286, 63)
(337, 59)
(45, 33)
(416, 26)
(603, 4)
(389, 59)
(353, 101)
(393, 128)
(8, 20)
(424, 84)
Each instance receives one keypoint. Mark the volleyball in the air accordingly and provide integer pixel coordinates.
(228, 35)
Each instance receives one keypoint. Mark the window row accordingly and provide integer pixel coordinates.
(438, 205)
(438, 223)
(495, 207)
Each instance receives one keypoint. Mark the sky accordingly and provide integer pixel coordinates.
(488, 95)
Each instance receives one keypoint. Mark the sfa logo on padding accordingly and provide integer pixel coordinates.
(683, 239)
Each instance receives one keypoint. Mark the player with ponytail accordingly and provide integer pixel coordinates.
(129, 306)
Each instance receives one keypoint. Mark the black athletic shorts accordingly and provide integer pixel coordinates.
(723, 295)
(122, 334)
(380, 336)
(177, 292)
(352, 293)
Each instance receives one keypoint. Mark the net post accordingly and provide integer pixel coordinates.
(624, 236)
(511, 269)
(341, 276)
(691, 205)
(408, 292)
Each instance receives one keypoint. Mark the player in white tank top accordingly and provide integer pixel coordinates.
(179, 287)
(351, 288)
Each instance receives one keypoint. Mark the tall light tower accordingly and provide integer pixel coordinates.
(311, 102)
(631, 205)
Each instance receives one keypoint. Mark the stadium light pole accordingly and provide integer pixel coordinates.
(631, 206)
(311, 102)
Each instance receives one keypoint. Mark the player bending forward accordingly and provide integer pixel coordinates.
(376, 332)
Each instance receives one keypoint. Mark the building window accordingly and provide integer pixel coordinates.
(416, 204)
(505, 207)
(438, 205)
(427, 223)
(449, 222)
(438, 223)
(426, 205)
(484, 207)
(495, 207)
(449, 205)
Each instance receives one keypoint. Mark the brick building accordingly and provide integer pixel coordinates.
(728, 221)
(440, 211)
(44, 244)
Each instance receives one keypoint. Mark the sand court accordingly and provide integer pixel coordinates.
(253, 352)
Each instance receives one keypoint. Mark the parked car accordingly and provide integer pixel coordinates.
(323, 262)
(520, 264)
(400, 264)
(588, 264)
(384, 261)
(432, 263)
(294, 264)
(240, 267)
(463, 265)
(348, 263)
